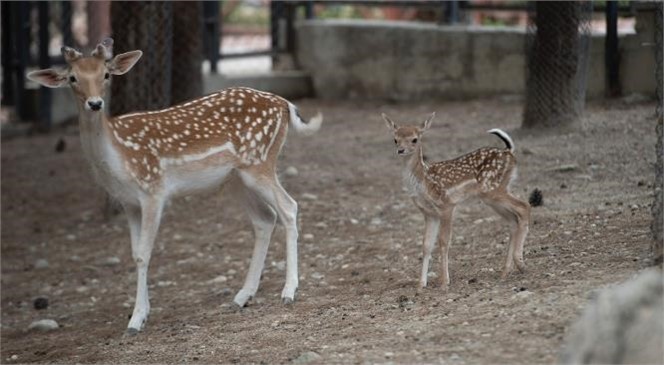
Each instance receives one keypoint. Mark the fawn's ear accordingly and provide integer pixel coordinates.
(122, 63)
(49, 77)
(427, 123)
(389, 123)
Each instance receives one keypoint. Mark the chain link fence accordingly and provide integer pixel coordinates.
(557, 53)
(169, 72)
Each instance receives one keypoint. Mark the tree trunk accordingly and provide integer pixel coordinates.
(145, 26)
(555, 88)
(658, 204)
(187, 51)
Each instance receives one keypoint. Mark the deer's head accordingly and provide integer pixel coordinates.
(408, 137)
(88, 76)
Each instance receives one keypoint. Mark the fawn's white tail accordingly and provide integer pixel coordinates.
(504, 136)
(302, 126)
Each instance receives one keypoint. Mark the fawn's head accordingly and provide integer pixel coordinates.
(88, 76)
(408, 137)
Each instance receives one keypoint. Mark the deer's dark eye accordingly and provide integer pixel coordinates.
(414, 140)
(72, 78)
(107, 76)
(395, 141)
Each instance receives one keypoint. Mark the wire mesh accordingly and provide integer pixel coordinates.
(558, 51)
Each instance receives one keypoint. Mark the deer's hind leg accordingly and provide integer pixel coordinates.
(263, 218)
(268, 188)
(517, 212)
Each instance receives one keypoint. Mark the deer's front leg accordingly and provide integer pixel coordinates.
(151, 210)
(444, 237)
(430, 234)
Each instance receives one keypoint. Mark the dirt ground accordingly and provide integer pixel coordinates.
(357, 300)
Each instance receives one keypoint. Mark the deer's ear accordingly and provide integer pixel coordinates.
(427, 123)
(389, 123)
(123, 62)
(49, 77)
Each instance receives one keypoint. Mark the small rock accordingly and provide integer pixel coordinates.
(389, 354)
(317, 276)
(177, 237)
(41, 264)
(291, 171)
(231, 272)
(82, 289)
(376, 221)
(60, 146)
(111, 261)
(565, 168)
(281, 265)
(321, 225)
(308, 196)
(354, 221)
(44, 325)
(40, 303)
(218, 279)
(307, 357)
(308, 237)
(455, 357)
(71, 237)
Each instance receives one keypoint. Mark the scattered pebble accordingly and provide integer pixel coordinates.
(307, 357)
(111, 261)
(44, 325)
(354, 221)
(321, 225)
(218, 279)
(565, 168)
(231, 272)
(41, 264)
(308, 237)
(376, 221)
(291, 171)
(281, 265)
(308, 196)
(40, 303)
(177, 237)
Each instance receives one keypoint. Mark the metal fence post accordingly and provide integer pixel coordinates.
(45, 97)
(212, 22)
(611, 56)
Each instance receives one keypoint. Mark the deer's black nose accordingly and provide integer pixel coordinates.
(95, 105)
(401, 151)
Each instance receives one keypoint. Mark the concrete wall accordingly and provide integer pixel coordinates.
(411, 61)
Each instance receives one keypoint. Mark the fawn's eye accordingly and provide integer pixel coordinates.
(395, 141)
(72, 79)
(414, 140)
(107, 76)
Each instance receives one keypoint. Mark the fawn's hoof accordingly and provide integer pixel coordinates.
(131, 332)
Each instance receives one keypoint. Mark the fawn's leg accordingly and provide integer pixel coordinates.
(444, 237)
(151, 210)
(430, 234)
(518, 213)
(263, 218)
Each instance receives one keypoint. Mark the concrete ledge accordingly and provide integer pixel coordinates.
(288, 84)
(411, 61)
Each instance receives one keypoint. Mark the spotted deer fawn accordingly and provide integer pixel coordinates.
(437, 188)
(144, 159)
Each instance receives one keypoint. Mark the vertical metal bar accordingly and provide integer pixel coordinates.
(309, 9)
(7, 53)
(453, 12)
(276, 7)
(290, 28)
(211, 11)
(22, 27)
(67, 38)
(45, 97)
(611, 56)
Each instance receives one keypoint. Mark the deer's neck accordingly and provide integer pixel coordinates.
(98, 147)
(414, 172)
